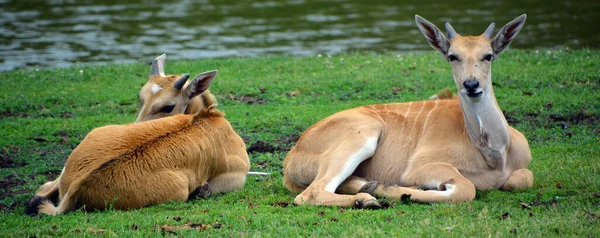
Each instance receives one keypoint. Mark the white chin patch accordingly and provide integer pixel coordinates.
(475, 97)
(156, 88)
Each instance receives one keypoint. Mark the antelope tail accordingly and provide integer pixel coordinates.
(39, 205)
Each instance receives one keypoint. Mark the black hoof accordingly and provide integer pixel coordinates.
(201, 192)
(369, 204)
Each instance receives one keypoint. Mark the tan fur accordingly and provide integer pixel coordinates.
(431, 151)
(141, 164)
(151, 102)
(160, 92)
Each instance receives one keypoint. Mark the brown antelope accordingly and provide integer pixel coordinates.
(430, 151)
(167, 95)
(174, 158)
(161, 96)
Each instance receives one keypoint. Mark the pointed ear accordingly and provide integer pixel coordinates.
(507, 34)
(158, 66)
(433, 35)
(200, 83)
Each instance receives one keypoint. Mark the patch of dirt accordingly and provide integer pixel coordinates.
(280, 204)
(578, 117)
(260, 147)
(11, 207)
(7, 162)
(288, 141)
(6, 190)
(284, 143)
(7, 114)
(63, 136)
(9, 182)
(510, 118)
(549, 203)
(172, 230)
(247, 99)
(504, 216)
(564, 121)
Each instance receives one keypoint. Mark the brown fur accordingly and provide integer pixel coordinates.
(187, 102)
(160, 92)
(141, 164)
(150, 101)
(448, 147)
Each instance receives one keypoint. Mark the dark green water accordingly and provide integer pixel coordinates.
(42, 34)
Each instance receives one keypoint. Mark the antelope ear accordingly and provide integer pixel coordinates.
(433, 35)
(200, 83)
(507, 34)
(158, 66)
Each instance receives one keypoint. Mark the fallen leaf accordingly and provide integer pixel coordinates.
(96, 231)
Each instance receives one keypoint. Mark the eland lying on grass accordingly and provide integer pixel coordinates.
(174, 158)
(430, 151)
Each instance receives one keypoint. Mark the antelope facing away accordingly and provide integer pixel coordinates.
(431, 151)
(167, 95)
(174, 158)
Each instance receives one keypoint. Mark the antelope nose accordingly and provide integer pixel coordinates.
(471, 85)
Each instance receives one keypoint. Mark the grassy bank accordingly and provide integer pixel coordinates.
(553, 97)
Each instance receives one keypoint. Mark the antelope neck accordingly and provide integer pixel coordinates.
(487, 127)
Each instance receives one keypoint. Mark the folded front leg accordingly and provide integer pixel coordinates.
(518, 180)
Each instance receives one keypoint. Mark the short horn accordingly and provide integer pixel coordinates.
(489, 32)
(180, 82)
(450, 31)
(158, 66)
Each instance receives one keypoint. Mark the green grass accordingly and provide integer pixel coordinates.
(553, 97)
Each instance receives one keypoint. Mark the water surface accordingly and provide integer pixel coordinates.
(58, 33)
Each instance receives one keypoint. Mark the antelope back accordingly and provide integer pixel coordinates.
(166, 95)
(470, 56)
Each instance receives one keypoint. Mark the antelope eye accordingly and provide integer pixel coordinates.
(167, 109)
(488, 57)
(452, 58)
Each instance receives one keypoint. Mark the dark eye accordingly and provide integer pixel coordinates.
(488, 57)
(167, 109)
(452, 58)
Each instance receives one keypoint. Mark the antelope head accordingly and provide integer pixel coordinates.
(471, 56)
(166, 95)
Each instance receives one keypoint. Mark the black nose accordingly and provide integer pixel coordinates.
(471, 85)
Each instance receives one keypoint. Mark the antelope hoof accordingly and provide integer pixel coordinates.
(368, 204)
(369, 187)
(201, 192)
